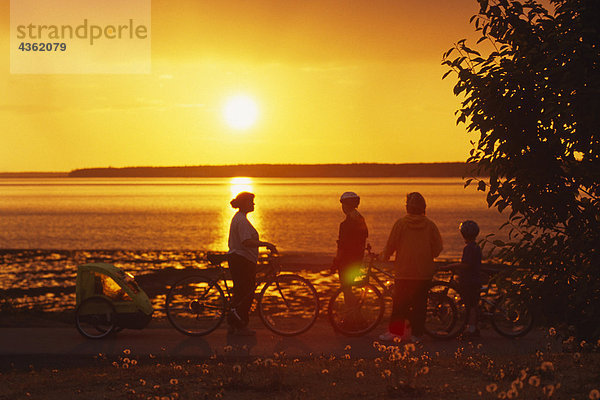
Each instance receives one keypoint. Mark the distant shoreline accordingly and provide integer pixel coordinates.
(357, 170)
(445, 169)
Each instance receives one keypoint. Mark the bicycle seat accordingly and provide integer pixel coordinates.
(216, 258)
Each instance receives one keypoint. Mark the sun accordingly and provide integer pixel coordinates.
(240, 112)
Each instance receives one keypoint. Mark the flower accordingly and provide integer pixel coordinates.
(534, 381)
(512, 393)
(360, 374)
(237, 368)
(548, 390)
(594, 394)
(424, 370)
(324, 371)
(492, 387)
(127, 351)
(348, 347)
(410, 347)
(173, 381)
(547, 366)
(552, 331)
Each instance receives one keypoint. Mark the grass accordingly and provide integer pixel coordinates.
(401, 371)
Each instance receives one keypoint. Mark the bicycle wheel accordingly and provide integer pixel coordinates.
(511, 318)
(358, 315)
(288, 305)
(95, 317)
(441, 317)
(446, 320)
(196, 305)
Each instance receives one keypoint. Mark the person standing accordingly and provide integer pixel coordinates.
(416, 241)
(243, 257)
(351, 243)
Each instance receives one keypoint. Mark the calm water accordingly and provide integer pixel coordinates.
(299, 215)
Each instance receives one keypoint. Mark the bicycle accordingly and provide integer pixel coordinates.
(509, 316)
(287, 303)
(366, 307)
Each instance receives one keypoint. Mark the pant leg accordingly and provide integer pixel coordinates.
(400, 306)
(243, 274)
(418, 310)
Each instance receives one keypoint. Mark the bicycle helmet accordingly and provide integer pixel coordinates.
(350, 198)
(469, 229)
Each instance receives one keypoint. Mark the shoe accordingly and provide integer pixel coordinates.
(245, 331)
(389, 336)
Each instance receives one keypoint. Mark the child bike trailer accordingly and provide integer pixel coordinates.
(108, 300)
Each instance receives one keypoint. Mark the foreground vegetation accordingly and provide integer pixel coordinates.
(401, 371)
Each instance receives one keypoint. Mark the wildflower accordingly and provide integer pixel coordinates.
(269, 362)
(479, 346)
(178, 368)
(594, 394)
(424, 370)
(410, 347)
(547, 366)
(325, 371)
(348, 347)
(142, 382)
(133, 362)
(127, 351)
(512, 393)
(173, 381)
(376, 344)
(237, 368)
(115, 364)
(397, 339)
(386, 373)
(205, 371)
(126, 360)
(583, 343)
(548, 390)
(502, 395)
(227, 349)
(491, 388)
(552, 331)
(125, 366)
(523, 375)
(347, 356)
(517, 384)
(360, 374)
(534, 381)
(151, 356)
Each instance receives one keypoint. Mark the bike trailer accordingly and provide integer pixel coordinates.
(131, 306)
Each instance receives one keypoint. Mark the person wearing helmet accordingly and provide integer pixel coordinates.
(351, 243)
(416, 241)
(469, 274)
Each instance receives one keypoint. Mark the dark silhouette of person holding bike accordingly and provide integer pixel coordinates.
(243, 257)
(351, 243)
(469, 275)
(416, 241)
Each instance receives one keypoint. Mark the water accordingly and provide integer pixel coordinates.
(299, 215)
(147, 225)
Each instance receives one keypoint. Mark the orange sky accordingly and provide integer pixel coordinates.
(334, 81)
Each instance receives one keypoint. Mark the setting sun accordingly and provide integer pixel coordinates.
(240, 112)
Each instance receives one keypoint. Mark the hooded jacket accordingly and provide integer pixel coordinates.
(416, 241)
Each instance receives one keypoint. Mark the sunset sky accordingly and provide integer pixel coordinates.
(332, 81)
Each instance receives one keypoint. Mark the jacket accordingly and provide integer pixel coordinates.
(416, 241)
